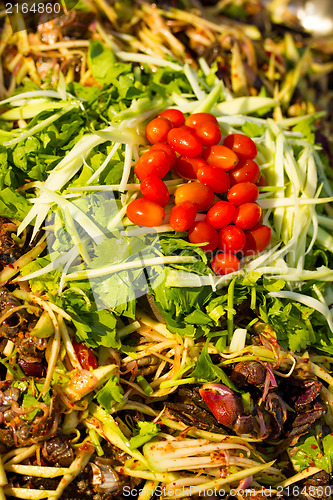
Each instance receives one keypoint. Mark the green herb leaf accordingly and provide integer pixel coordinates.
(147, 430)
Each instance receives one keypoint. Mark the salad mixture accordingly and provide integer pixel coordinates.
(166, 269)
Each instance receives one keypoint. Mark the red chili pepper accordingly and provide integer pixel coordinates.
(85, 355)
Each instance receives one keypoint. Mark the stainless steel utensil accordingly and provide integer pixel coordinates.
(315, 16)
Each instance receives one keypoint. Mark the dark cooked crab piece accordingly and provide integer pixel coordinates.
(315, 485)
(14, 322)
(9, 250)
(277, 410)
(247, 373)
(98, 481)
(193, 416)
(311, 390)
(22, 425)
(57, 451)
(305, 420)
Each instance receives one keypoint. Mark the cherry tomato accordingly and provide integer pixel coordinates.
(145, 212)
(214, 177)
(247, 215)
(195, 192)
(231, 239)
(184, 141)
(209, 133)
(246, 171)
(176, 117)
(188, 167)
(155, 162)
(157, 130)
(221, 157)
(261, 181)
(221, 214)
(242, 145)
(167, 149)
(183, 216)
(85, 355)
(154, 189)
(257, 239)
(244, 192)
(202, 232)
(225, 263)
(198, 118)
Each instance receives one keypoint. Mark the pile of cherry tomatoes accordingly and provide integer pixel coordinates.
(224, 181)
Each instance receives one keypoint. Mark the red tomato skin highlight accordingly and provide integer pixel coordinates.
(225, 263)
(257, 239)
(209, 133)
(176, 117)
(196, 119)
(85, 355)
(201, 232)
(244, 192)
(221, 157)
(187, 167)
(246, 171)
(232, 239)
(154, 189)
(221, 214)
(157, 130)
(195, 192)
(156, 162)
(143, 212)
(214, 177)
(242, 145)
(167, 149)
(184, 141)
(248, 215)
(261, 182)
(183, 216)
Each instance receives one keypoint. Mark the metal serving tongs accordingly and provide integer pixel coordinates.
(315, 16)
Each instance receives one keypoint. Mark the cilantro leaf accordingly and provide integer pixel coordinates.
(112, 391)
(13, 205)
(206, 371)
(147, 430)
(252, 129)
(311, 452)
(104, 67)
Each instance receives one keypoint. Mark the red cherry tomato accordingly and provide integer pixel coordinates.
(244, 192)
(209, 133)
(167, 149)
(155, 162)
(242, 145)
(154, 189)
(246, 171)
(198, 118)
(257, 239)
(214, 177)
(183, 216)
(157, 130)
(176, 117)
(184, 141)
(225, 263)
(231, 239)
(188, 167)
(85, 355)
(221, 157)
(145, 212)
(195, 192)
(221, 214)
(261, 181)
(202, 232)
(247, 215)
